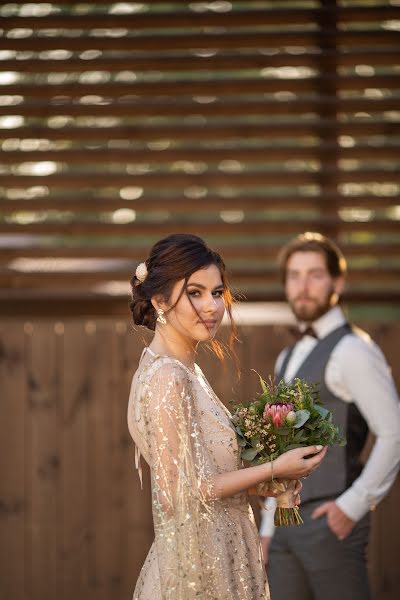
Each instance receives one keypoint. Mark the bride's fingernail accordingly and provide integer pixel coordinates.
(319, 448)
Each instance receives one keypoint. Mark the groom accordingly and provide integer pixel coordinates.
(325, 558)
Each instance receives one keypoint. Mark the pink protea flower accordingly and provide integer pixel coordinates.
(276, 413)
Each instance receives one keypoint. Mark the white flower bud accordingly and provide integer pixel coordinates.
(291, 418)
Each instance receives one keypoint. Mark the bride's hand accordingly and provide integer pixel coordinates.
(297, 491)
(262, 490)
(299, 462)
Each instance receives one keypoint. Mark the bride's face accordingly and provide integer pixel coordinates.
(198, 312)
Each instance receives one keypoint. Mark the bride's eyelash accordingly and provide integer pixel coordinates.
(217, 293)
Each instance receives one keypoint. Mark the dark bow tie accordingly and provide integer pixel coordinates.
(298, 334)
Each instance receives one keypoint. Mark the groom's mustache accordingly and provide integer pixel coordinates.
(304, 298)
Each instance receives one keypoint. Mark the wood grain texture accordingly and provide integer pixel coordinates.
(14, 510)
(70, 498)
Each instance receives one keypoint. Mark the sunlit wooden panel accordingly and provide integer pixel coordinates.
(244, 122)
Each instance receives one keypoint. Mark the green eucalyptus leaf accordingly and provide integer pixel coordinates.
(324, 412)
(292, 446)
(283, 430)
(301, 417)
(249, 454)
(300, 436)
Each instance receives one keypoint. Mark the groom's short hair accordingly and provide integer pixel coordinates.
(314, 242)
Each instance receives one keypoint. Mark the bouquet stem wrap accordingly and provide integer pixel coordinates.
(286, 513)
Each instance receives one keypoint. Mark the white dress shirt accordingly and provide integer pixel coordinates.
(356, 372)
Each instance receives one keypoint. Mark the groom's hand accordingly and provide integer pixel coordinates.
(339, 523)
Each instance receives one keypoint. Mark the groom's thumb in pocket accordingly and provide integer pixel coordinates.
(319, 511)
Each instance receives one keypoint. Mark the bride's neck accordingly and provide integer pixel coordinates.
(170, 343)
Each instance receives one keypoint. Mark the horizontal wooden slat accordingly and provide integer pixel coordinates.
(217, 62)
(186, 19)
(291, 129)
(179, 179)
(333, 225)
(80, 203)
(220, 107)
(136, 252)
(214, 86)
(63, 303)
(82, 279)
(273, 39)
(149, 3)
(325, 152)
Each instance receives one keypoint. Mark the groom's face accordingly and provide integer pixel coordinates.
(310, 289)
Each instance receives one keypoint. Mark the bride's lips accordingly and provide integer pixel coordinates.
(210, 323)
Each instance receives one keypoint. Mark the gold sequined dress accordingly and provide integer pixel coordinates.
(204, 548)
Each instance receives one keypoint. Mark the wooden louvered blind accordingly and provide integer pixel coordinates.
(244, 122)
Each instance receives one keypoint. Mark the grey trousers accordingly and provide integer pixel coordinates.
(308, 562)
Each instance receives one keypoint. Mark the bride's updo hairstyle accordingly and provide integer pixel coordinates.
(172, 259)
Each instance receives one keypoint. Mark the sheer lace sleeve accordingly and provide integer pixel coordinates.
(182, 491)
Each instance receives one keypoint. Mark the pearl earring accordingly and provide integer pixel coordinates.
(160, 318)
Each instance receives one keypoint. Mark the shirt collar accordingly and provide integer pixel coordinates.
(330, 321)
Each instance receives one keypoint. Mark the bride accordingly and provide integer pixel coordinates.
(206, 542)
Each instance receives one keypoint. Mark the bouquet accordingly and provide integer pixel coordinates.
(282, 417)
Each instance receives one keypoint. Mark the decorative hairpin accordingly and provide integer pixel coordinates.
(141, 272)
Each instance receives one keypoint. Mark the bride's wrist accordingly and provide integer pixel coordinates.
(270, 470)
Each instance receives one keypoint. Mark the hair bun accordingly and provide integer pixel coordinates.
(142, 310)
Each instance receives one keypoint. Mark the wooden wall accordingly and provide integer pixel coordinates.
(73, 521)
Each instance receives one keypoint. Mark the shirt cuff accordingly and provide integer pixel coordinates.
(267, 526)
(354, 505)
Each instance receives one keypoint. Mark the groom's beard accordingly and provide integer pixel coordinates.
(314, 308)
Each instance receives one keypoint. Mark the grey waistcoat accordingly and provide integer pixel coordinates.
(342, 465)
